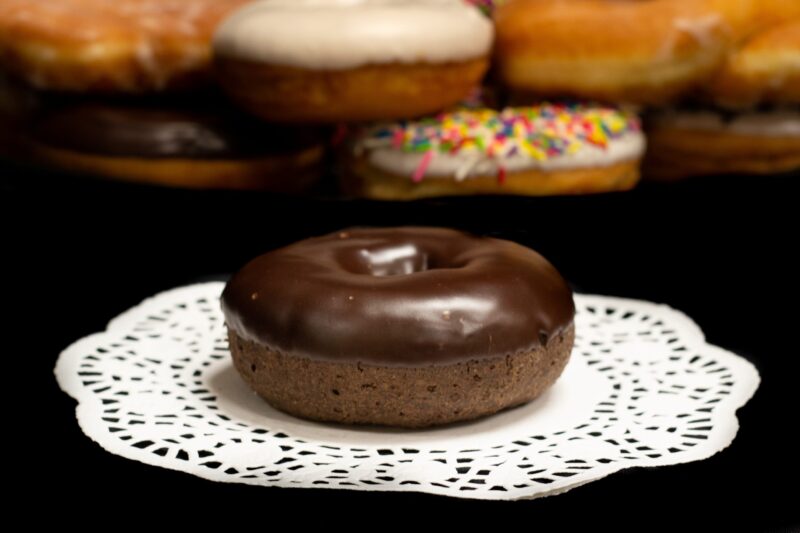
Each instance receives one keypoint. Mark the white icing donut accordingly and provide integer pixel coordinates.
(463, 166)
(345, 34)
(483, 142)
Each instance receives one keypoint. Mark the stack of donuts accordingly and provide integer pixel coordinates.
(404, 74)
(426, 97)
(125, 89)
(718, 80)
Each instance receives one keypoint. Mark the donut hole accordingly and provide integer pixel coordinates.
(400, 259)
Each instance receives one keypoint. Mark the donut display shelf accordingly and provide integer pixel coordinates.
(643, 388)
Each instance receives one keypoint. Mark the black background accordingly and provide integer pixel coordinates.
(722, 249)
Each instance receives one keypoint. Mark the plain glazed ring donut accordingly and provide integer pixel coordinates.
(402, 326)
(646, 52)
(545, 149)
(110, 45)
(765, 69)
(351, 60)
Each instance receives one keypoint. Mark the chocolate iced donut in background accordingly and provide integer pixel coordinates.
(544, 149)
(104, 77)
(406, 327)
(167, 142)
(110, 46)
(351, 60)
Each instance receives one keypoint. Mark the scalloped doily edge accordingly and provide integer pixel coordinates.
(86, 411)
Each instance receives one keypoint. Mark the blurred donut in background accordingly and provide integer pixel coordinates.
(765, 69)
(643, 52)
(124, 90)
(685, 143)
(110, 46)
(746, 119)
(543, 149)
(176, 144)
(351, 60)
(130, 90)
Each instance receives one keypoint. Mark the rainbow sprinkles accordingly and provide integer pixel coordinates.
(480, 142)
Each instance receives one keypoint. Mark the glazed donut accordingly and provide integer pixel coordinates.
(536, 150)
(351, 60)
(645, 52)
(406, 327)
(109, 45)
(754, 16)
(685, 143)
(174, 144)
(765, 69)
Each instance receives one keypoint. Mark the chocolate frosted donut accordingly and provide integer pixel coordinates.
(166, 130)
(406, 327)
(179, 143)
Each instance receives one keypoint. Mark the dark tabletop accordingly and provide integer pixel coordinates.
(722, 249)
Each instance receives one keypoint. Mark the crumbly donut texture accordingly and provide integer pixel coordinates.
(354, 393)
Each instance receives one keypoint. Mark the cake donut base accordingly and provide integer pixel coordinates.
(372, 92)
(368, 181)
(680, 153)
(287, 173)
(411, 397)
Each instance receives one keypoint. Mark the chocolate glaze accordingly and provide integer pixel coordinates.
(399, 296)
(162, 131)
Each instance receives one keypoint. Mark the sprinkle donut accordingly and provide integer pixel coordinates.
(551, 148)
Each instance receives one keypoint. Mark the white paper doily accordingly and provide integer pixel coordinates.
(642, 388)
